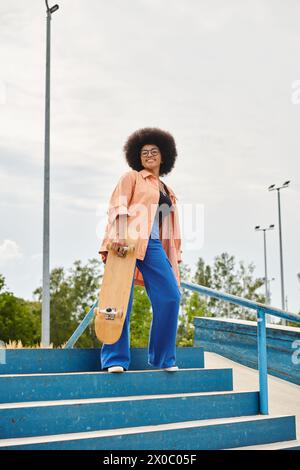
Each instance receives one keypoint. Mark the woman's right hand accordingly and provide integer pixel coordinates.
(117, 245)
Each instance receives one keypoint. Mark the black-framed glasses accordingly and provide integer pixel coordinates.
(154, 152)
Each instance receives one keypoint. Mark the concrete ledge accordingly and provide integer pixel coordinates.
(237, 340)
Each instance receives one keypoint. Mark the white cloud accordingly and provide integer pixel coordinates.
(9, 251)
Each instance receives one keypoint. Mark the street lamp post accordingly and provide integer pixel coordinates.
(258, 229)
(269, 289)
(46, 232)
(278, 188)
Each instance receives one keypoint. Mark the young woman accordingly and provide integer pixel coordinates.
(144, 208)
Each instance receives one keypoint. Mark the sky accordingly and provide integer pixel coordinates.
(222, 77)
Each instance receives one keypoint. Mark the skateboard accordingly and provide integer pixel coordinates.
(114, 294)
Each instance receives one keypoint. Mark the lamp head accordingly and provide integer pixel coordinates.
(51, 9)
(54, 9)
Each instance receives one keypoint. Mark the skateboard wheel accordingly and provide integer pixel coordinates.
(131, 249)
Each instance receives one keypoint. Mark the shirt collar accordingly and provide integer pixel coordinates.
(145, 173)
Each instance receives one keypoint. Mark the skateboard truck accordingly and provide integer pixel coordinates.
(124, 249)
(110, 313)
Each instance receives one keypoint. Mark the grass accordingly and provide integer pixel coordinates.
(19, 345)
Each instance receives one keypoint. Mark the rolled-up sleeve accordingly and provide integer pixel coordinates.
(121, 196)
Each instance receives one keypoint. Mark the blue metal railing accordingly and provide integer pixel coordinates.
(81, 328)
(261, 309)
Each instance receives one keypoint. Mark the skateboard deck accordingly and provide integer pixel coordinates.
(114, 294)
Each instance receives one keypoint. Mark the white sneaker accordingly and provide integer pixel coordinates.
(116, 369)
(172, 369)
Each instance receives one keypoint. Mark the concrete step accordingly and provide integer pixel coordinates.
(75, 416)
(32, 361)
(284, 396)
(192, 435)
(41, 387)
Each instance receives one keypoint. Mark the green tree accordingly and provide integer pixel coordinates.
(195, 307)
(248, 286)
(203, 274)
(224, 280)
(193, 304)
(203, 277)
(19, 319)
(185, 275)
(222, 276)
(225, 277)
(140, 318)
(71, 296)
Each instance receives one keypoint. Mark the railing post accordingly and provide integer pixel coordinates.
(262, 361)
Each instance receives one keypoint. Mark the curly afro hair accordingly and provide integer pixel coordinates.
(151, 136)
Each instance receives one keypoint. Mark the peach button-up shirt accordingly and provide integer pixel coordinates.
(137, 196)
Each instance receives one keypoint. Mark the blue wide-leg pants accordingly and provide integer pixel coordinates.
(164, 294)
